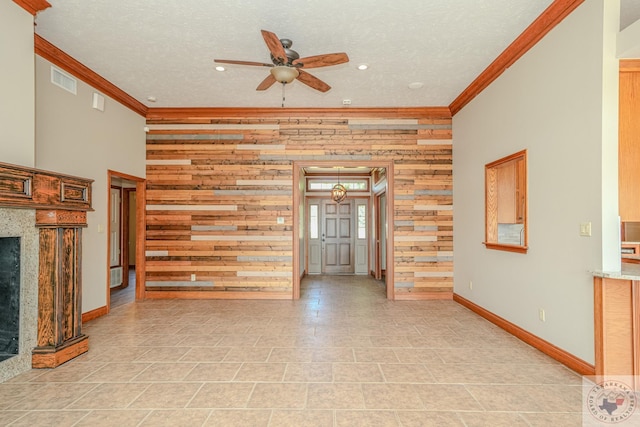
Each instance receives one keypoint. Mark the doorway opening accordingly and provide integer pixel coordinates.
(343, 238)
(125, 243)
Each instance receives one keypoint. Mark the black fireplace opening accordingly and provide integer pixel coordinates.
(9, 296)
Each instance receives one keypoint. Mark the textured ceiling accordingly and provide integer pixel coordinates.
(165, 49)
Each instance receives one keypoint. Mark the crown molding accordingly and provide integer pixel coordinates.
(348, 112)
(552, 16)
(33, 6)
(61, 59)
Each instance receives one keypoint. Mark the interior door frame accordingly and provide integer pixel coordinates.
(377, 261)
(300, 215)
(141, 188)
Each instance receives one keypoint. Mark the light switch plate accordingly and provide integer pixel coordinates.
(585, 229)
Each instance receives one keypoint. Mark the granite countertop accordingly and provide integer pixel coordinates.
(628, 272)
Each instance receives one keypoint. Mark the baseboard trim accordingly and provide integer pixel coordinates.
(421, 296)
(567, 359)
(94, 314)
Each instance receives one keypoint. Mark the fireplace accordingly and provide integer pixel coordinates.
(18, 237)
(9, 296)
(42, 214)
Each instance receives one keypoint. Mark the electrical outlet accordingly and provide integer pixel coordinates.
(470, 284)
(193, 277)
(541, 315)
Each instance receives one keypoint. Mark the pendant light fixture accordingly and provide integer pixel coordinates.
(338, 192)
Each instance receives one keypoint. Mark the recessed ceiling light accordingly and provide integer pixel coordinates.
(220, 68)
(151, 98)
(416, 85)
(363, 67)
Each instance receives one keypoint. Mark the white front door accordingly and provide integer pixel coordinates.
(338, 237)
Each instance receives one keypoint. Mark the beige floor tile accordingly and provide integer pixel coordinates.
(239, 417)
(284, 418)
(42, 418)
(116, 372)
(498, 419)
(166, 396)
(261, 372)
(377, 355)
(239, 340)
(278, 395)
(213, 372)
(291, 354)
(431, 419)
(200, 340)
(119, 418)
(335, 396)
(366, 418)
(447, 397)
(109, 396)
(391, 396)
(165, 372)
(341, 355)
(528, 398)
(54, 396)
(247, 354)
(308, 372)
(332, 354)
(68, 373)
(11, 393)
(205, 354)
(162, 354)
(406, 373)
(357, 372)
(176, 418)
(557, 419)
(222, 395)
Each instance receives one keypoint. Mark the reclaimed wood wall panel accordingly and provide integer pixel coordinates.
(216, 186)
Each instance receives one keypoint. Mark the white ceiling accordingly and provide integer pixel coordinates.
(165, 48)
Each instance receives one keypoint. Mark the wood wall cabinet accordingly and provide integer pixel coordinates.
(629, 141)
(511, 194)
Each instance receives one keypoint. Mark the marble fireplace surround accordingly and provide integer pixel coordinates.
(47, 211)
(22, 223)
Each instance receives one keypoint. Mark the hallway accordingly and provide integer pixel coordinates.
(342, 355)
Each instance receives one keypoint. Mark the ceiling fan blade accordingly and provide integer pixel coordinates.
(322, 60)
(267, 83)
(313, 82)
(274, 45)
(230, 61)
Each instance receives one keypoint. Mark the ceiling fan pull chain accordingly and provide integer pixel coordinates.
(283, 95)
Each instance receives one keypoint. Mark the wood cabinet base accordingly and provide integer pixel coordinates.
(51, 357)
(617, 328)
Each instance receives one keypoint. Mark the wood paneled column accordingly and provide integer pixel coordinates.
(60, 336)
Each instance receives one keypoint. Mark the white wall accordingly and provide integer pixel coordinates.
(559, 101)
(73, 138)
(16, 85)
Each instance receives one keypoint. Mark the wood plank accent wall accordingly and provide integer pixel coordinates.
(217, 182)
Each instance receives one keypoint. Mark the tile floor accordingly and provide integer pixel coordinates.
(342, 355)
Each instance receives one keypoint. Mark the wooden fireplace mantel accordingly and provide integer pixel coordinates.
(61, 203)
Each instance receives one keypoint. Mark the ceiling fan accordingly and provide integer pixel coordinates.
(287, 64)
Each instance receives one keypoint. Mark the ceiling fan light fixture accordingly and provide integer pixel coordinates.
(284, 74)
